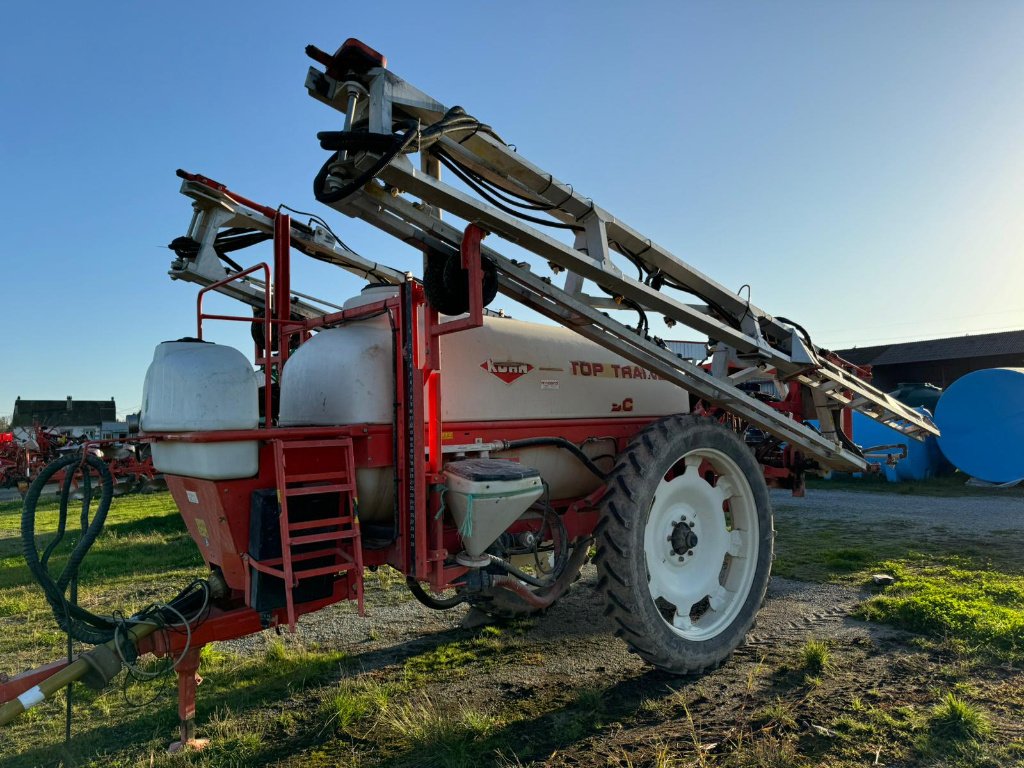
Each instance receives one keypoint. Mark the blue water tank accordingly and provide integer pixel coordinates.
(923, 458)
(981, 416)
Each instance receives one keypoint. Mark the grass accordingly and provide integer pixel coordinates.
(955, 719)
(455, 658)
(778, 713)
(355, 702)
(950, 485)
(434, 735)
(816, 657)
(982, 609)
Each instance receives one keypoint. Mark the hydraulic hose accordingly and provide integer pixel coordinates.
(388, 146)
(558, 442)
(398, 145)
(581, 551)
(519, 574)
(81, 624)
(435, 603)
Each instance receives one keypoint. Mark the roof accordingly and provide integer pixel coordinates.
(691, 350)
(951, 348)
(57, 413)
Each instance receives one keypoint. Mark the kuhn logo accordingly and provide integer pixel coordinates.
(506, 371)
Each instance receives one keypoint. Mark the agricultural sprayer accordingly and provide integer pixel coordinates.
(485, 458)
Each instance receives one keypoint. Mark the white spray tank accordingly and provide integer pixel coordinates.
(505, 371)
(193, 385)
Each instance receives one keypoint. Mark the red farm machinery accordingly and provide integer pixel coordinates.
(485, 458)
(128, 461)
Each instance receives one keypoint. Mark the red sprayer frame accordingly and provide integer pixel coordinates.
(217, 512)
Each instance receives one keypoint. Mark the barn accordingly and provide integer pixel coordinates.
(938, 361)
(68, 416)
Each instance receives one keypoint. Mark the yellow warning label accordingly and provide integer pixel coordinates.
(447, 435)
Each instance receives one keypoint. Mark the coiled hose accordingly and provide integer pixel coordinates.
(77, 622)
(187, 608)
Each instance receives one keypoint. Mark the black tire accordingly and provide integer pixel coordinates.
(439, 295)
(456, 280)
(624, 575)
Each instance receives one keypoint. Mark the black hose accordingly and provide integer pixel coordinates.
(77, 622)
(800, 328)
(506, 566)
(390, 147)
(558, 534)
(399, 145)
(452, 165)
(558, 442)
(436, 603)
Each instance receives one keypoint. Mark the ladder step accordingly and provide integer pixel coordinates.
(324, 523)
(325, 552)
(323, 571)
(318, 477)
(271, 567)
(314, 538)
(313, 490)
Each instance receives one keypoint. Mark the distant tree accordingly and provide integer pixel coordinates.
(5, 423)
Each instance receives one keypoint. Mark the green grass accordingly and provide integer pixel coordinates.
(982, 609)
(816, 657)
(456, 657)
(950, 485)
(356, 701)
(430, 734)
(955, 719)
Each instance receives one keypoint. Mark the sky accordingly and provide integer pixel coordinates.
(858, 164)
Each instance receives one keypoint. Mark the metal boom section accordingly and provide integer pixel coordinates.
(370, 174)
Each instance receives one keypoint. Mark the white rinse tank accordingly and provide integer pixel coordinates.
(193, 385)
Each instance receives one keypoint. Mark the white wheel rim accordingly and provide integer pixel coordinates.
(707, 584)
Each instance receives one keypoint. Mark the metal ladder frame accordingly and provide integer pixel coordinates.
(341, 481)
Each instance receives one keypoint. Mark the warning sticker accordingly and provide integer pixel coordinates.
(192, 497)
(549, 383)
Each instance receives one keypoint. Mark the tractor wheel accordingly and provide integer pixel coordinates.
(685, 543)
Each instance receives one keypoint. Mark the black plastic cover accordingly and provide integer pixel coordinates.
(490, 470)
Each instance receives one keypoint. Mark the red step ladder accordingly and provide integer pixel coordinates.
(339, 532)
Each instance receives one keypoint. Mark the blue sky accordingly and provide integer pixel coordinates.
(860, 165)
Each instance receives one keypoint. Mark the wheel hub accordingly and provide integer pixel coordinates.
(682, 538)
